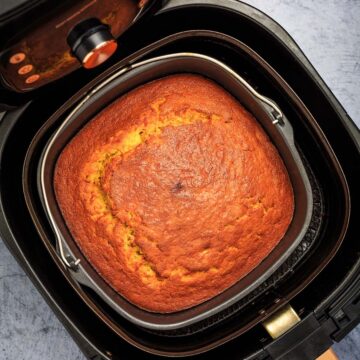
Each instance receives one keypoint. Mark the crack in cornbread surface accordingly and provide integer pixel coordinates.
(174, 192)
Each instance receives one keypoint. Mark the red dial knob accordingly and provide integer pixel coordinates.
(91, 42)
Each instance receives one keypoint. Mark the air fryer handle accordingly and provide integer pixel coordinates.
(66, 258)
(287, 330)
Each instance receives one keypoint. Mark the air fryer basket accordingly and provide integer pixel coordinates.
(267, 113)
(331, 199)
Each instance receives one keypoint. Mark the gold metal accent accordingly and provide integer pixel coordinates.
(280, 322)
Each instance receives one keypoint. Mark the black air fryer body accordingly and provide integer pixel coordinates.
(321, 279)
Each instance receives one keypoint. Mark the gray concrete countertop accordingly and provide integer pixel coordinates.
(328, 31)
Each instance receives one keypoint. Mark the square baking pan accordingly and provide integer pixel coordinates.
(265, 111)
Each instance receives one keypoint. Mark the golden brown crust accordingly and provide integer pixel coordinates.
(174, 192)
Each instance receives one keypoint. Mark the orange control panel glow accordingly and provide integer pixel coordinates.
(43, 55)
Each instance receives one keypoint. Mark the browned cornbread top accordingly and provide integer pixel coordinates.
(174, 192)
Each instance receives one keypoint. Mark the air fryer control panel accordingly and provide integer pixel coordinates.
(43, 53)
